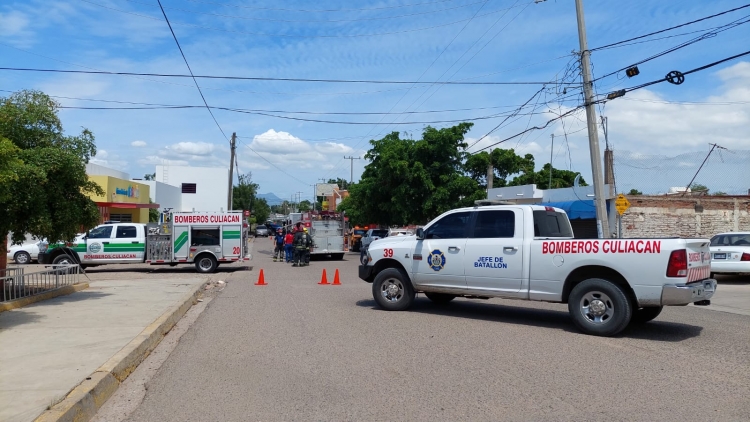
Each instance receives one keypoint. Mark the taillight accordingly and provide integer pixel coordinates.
(745, 257)
(678, 265)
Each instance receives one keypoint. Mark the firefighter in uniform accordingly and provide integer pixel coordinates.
(308, 245)
(300, 244)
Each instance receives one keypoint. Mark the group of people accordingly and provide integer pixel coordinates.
(293, 246)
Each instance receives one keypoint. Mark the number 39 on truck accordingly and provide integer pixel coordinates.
(200, 238)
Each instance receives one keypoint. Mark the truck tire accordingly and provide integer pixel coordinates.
(392, 290)
(599, 307)
(64, 259)
(22, 258)
(644, 315)
(441, 298)
(206, 264)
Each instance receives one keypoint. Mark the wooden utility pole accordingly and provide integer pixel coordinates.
(490, 175)
(551, 149)
(232, 146)
(602, 224)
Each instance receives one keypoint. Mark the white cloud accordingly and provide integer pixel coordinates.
(191, 148)
(283, 148)
(107, 159)
(14, 27)
(138, 144)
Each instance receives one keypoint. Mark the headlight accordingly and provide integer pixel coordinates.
(43, 246)
(369, 258)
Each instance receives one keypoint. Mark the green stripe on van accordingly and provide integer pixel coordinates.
(232, 234)
(180, 241)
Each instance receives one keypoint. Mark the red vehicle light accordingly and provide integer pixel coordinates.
(745, 257)
(678, 264)
(193, 249)
(549, 209)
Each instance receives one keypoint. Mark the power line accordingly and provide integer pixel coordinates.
(191, 71)
(498, 126)
(670, 28)
(260, 78)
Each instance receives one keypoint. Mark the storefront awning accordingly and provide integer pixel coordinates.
(127, 205)
(583, 210)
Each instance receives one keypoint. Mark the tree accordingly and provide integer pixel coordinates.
(342, 184)
(560, 178)
(635, 192)
(153, 214)
(355, 216)
(720, 193)
(697, 187)
(412, 181)
(505, 162)
(305, 205)
(151, 176)
(261, 210)
(45, 190)
(244, 192)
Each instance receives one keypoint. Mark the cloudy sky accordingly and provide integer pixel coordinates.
(291, 134)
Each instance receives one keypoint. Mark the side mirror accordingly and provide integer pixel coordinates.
(420, 233)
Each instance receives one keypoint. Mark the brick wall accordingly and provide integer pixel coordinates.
(664, 216)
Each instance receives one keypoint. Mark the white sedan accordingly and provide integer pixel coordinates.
(730, 253)
(24, 254)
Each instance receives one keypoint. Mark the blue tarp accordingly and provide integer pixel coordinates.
(583, 210)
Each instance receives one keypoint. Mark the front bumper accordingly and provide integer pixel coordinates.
(44, 258)
(365, 273)
(675, 295)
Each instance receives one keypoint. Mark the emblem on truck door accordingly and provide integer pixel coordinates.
(436, 260)
(95, 247)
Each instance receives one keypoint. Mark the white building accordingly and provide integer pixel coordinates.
(201, 188)
(167, 196)
(97, 170)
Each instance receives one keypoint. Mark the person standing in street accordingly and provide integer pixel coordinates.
(289, 246)
(300, 240)
(278, 251)
(308, 246)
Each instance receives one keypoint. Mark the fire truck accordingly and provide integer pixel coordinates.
(201, 238)
(327, 230)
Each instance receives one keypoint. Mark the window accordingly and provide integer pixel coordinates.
(205, 237)
(551, 224)
(189, 188)
(101, 232)
(494, 224)
(731, 240)
(126, 232)
(379, 233)
(452, 226)
(121, 218)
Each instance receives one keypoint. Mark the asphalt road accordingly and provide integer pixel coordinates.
(295, 350)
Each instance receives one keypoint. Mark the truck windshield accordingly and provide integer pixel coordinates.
(359, 232)
(551, 224)
(379, 233)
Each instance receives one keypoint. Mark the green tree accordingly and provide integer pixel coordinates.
(560, 178)
(635, 192)
(719, 193)
(505, 162)
(347, 206)
(697, 187)
(261, 210)
(151, 176)
(45, 190)
(153, 214)
(412, 181)
(342, 184)
(244, 192)
(305, 205)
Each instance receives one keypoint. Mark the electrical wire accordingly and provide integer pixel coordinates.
(259, 78)
(191, 71)
(671, 28)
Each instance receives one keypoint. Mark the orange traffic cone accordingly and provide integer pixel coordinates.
(336, 281)
(261, 279)
(324, 279)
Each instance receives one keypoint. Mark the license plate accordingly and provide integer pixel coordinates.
(720, 256)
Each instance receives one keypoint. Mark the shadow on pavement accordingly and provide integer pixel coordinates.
(11, 319)
(734, 280)
(546, 318)
(186, 269)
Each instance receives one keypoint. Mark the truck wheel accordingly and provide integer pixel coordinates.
(441, 298)
(392, 290)
(599, 307)
(63, 259)
(644, 315)
(22, 258)
(206, 264)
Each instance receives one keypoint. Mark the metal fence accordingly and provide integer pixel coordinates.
(17, 283)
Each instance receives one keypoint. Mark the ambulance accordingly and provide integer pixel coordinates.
(203, 239)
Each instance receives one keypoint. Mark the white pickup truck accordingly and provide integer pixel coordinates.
(528, 252)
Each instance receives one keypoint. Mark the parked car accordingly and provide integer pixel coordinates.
(25, 254)
(261, 231)
(400, 232)
(373, 235)
(730, 253)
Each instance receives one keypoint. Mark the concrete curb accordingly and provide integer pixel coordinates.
(62, 291)
(82, 403)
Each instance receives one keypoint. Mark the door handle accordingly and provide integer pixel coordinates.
(510, 248)
(454, 248)
(134, 242)
(106, 243)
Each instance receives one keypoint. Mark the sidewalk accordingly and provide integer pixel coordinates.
(50, 347)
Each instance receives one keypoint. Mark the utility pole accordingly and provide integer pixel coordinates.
(602, 224)
(551, 150)
(490, 175)
(232, 146)
(351, 165)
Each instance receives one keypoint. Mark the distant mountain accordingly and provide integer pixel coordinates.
(270, 198)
